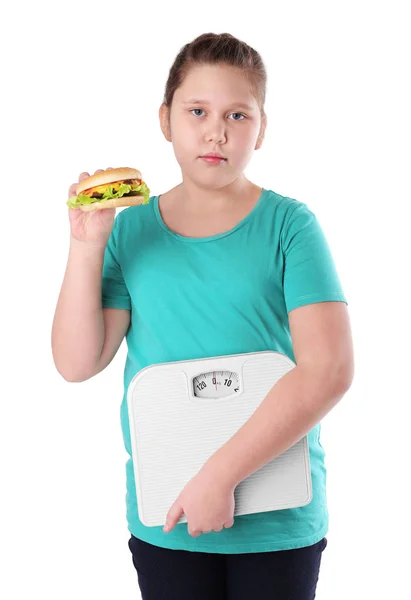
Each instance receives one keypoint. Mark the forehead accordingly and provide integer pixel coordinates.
(215, 84)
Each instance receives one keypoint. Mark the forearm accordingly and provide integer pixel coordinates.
(295, 404)
(78, 325)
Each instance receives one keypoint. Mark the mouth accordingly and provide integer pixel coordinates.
(213, 159)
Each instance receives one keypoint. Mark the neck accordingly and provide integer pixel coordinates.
(198, 200)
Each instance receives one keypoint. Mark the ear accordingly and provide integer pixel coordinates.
(262, 132)
(164, 115)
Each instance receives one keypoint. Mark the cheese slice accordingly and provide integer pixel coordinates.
(100, 189)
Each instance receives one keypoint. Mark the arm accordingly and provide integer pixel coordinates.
(85, 337)
(323, 350)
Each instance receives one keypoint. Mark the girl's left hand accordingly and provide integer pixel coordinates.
(207, 502)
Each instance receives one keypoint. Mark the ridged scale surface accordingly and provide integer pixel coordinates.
(174, 433)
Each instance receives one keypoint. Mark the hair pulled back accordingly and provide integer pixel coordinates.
(216, 49)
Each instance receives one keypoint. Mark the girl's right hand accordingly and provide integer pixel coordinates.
(93, 227)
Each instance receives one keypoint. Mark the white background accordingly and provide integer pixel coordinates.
(81, 86)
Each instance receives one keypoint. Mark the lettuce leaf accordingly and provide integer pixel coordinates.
(125, 188)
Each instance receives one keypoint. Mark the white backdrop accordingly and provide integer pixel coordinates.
(81, 86)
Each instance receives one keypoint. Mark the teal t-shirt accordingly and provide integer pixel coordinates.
(229, 293)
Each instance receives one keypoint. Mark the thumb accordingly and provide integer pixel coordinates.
(173, 516)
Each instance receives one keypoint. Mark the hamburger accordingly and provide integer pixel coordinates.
(107, 189)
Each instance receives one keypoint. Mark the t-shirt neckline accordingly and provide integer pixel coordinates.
(183, 238)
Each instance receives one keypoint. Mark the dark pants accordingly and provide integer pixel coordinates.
(165, 574)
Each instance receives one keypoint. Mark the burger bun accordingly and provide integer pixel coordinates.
(113, 203)
(109, 176)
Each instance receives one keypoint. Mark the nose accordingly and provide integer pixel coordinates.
(216, 133)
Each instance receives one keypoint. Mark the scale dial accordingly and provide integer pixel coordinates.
(216, 384)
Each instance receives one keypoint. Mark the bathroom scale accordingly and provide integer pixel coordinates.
(181, 412)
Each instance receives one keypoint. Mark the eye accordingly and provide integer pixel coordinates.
(234, 113)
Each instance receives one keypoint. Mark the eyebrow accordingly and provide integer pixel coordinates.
(239, 104)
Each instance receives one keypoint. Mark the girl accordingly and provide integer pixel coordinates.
(212, 267)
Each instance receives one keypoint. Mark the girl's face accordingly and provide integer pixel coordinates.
(227, 120)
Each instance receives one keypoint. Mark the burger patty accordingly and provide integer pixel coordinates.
(99, 194)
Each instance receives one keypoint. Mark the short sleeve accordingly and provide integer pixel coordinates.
(310, 274)
(114, 290)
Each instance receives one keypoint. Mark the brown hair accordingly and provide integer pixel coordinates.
(221, 48)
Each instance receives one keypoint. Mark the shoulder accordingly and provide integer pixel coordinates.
(286, 204)
(130, 224)
(132, 215)
(289, 211)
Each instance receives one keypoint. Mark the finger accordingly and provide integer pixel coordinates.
(194, 533)
(72, 190)
(73, 187)
(99, 171)
(173, 516)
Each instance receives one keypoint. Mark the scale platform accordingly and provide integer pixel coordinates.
(181, 412)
